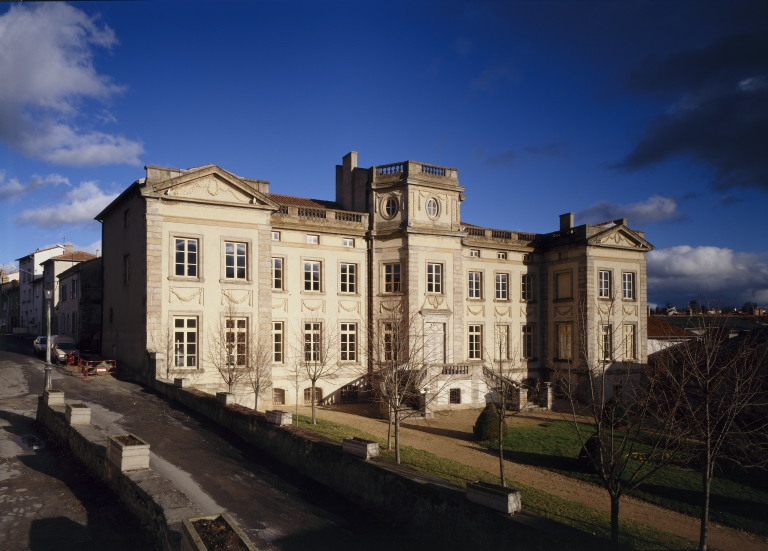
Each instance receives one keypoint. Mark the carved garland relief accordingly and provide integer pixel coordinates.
(231, 296)
(313, 305)
(183, 296)
(209, 184)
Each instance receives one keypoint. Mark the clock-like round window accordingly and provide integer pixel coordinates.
(432, 208)
(390, 207)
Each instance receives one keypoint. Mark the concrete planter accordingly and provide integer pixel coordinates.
(53, 397)
(78, 414)
(128, 452)
(279, 417)
(225, 398)
(191, 540)
(361, 448)
(182, 382)
(495, 497)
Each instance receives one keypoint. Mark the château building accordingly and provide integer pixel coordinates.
(183, 249)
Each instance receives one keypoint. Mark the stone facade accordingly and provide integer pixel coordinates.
(78, 310)
(182, 247)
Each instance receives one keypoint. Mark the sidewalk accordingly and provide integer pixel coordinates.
(449, 435)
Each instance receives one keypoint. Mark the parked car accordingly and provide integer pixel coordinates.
(60, 347)
(39, 345)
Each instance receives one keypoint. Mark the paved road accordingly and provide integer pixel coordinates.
(277, 507)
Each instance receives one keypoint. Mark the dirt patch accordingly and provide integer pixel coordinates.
(128, 440)
(217, 535)
(449, 435)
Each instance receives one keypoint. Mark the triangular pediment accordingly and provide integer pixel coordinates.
(620, 237)
(212, 184)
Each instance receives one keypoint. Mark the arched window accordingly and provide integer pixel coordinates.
(278, 397)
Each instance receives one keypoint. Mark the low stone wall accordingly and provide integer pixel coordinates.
(149, 496)
(400, 494)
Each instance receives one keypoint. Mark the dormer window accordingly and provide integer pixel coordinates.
(432, 208)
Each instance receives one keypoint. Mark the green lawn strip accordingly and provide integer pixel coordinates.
(633, 535)
(556, 446)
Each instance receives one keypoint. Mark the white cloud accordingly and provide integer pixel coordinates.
(14, 189)
(719, 275)
(81, 205)
(47, 68)
(654, 209)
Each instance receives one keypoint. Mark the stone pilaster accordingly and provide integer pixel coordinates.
(458, 306)
(264, 283)
(154, 287)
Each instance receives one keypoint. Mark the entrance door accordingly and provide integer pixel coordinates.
(434, 345)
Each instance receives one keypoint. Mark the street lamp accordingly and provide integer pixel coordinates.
(48, 296)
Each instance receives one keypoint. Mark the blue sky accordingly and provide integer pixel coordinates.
(653, 111)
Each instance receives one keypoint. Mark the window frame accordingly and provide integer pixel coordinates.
(393, 283)
(273, 271)
(248, 261)
(564, 351)
(352, 286)
(126, 269)
(348, 242)
(631, 276)
(316, 333)
(185, 343)
(304, 280)
(276, 235)
(630, 342)
(454, 396)
(501, 255)
(501, 342)
(278, 392)
(475, 288)
(173, 260)
(390, 200)
(278, 329)
(348, 329)
(437, 278)
(432, 201)
(605, 343)
(504, 276)
(313, 239)
(475, 341)
(526, 287)
(474, 253)
(604, 284)
(528, 341)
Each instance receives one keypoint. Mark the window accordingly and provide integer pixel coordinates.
(126, 218)
(349, 342)
(69, 324)
(432, 207)
(474, 253)
(277, 273)
(628, 285)
(475, 342)
(391, 343)
(527, 341)
(475, 279)
(604, 284)
(312, 342)
(606, 342)
(186, 257)
(454, 395)
(502, 287)
(126, 268)
(236, 339)
(526, 287)
(234, 265)
(74, 322)
(308, 395)
(184, 341)
(527, 257)
(434, 278)
(312, 276)
(347, 242)
(313, 239)
(501, 345)
(276, 237)
(348, 281)
(563, 285)
(392, 278)
(501, 256)
(629, 342)
(277, 341)
(62, 293)
(74, 288)
(390, 207)
(564, 344)
(349, 393)
(278, 397)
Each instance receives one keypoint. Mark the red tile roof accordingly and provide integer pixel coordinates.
(75, 255)
(304, 202)
(659, 329)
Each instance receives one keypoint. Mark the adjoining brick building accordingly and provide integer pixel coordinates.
(180, 246)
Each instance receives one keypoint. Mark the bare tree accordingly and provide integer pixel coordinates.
(258, 366)
(316, 355)
(402, 377)
(627, 417)
(722, 382)
(227, 346)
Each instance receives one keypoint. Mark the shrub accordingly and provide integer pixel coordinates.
(487, 424)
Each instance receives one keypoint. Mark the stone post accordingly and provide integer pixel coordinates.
(549, 396)
(522, 397)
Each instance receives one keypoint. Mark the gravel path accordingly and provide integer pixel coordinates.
(450, 435)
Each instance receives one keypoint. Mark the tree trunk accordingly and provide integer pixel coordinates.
(501, 451)
(397, 437)
(256, 400)
(389, 427)
(706, 481)
(312, 390)
(615, 518)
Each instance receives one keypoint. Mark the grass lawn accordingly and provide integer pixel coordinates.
(736, 501)
(633, 534)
